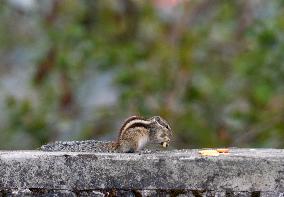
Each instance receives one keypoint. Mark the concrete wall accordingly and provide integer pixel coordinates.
(243, 172)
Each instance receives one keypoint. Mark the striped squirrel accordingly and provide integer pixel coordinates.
(134, 134)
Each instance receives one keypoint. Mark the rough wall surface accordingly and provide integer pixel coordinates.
(243, 172)
(77, 146)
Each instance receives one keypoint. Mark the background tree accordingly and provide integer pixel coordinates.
(76, 69)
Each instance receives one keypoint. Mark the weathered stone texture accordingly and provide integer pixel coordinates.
(243, 172)
(77, 146)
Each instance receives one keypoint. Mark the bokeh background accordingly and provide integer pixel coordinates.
(74, 70)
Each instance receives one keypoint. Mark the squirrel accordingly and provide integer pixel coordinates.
(134, 134)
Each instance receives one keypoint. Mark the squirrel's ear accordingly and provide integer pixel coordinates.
(152, 119)
(155, 118)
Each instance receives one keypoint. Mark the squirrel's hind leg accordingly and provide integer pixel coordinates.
(127, 147)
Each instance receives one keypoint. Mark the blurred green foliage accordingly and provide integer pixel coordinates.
(213, 69)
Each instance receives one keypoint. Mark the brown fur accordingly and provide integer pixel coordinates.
(136, 132)
(131, 118)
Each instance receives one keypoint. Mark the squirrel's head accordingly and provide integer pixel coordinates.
(160, 131)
